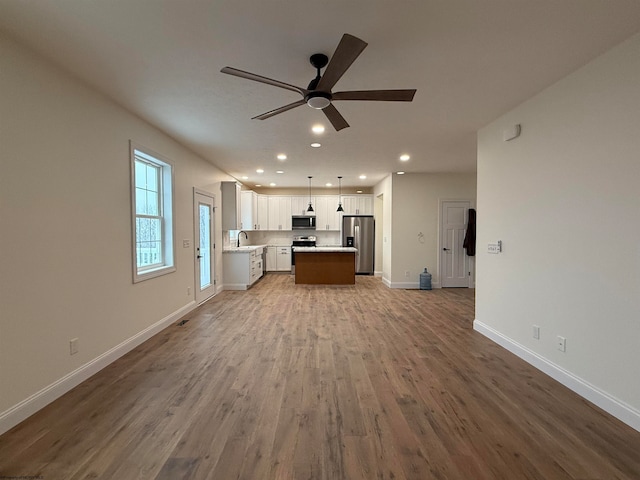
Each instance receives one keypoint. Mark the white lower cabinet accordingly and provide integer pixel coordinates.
(279, 259)
(242, 269)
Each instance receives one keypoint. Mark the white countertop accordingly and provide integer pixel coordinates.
(242, 249)
(325, 249)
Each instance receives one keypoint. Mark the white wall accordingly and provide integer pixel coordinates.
(66, 230)
(378, 212)
(415, 210)
(564, 198)
(383, 190)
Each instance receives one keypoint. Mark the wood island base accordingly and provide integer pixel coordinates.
(325, 268)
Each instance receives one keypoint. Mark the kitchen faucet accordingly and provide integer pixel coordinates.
(245, 237)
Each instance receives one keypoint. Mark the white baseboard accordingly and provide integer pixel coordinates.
(235, 286)
(607, 402)
(19, 412)
(406, 285)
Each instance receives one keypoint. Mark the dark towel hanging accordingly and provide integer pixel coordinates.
(469, 243)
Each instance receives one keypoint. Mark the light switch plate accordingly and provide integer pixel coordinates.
(73, 346)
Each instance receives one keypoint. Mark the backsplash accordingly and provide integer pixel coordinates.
(264, 237)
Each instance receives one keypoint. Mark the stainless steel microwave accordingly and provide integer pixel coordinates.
(303, 222)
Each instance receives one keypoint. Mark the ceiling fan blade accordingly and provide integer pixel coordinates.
(335, 118)
(261, 79)
(348, 50)
(379, 95)
(271, 113)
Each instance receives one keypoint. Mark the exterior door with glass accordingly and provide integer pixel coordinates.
(204, 246)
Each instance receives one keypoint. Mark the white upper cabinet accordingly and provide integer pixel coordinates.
(327, 216)
(273, 212)
(357, 204)
(279, 217)
(262, 218)
(255, 211)
(300, 203)
(230, 205)
(249, 202)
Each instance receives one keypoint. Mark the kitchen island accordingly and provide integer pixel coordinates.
(325, 265)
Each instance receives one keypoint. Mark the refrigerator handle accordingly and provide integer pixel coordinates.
(356, 234)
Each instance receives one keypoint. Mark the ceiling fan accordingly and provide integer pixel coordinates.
(318, 94)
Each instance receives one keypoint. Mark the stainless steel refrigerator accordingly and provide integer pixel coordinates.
(359, 231)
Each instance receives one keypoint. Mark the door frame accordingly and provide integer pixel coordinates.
(472, 262)
(196, 262)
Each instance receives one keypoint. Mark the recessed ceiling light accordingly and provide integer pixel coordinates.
(358, 191)
(317, 129)
(272, 184)
(259, 170)
(258, 185)
(362, 177)
(282, 156)
(328, 185)
(279, 171)
(244, 177)
(404, 157)
(400, 173)
(316, 145)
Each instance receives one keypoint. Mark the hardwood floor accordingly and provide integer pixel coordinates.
(290, 381)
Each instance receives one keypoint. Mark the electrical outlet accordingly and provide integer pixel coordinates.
(406, 273)
(188, 290)
(73, 346)
(536, 332)
(562, 344)
(495, 247)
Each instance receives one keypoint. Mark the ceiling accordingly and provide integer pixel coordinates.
(470, 61)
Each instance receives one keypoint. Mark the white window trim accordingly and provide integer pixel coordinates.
(168, 214)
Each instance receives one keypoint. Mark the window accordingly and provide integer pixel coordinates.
(152, 214)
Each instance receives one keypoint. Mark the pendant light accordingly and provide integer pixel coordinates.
(340, 209)
(310, 209)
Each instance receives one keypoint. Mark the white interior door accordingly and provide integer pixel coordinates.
(454, 263)
(204, 246)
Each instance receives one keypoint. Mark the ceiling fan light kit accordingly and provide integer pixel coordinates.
(318, 100)
(318, 94)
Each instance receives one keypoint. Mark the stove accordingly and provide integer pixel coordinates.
(300, 241)
(304, 241)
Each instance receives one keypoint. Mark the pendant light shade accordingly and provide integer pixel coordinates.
(310, 209)
(340, 209)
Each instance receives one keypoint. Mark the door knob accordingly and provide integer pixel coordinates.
(445, 249)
